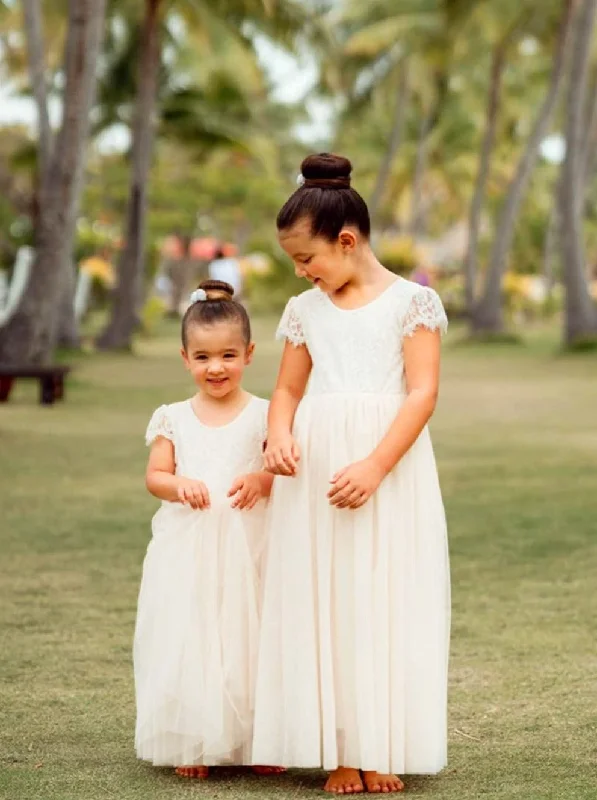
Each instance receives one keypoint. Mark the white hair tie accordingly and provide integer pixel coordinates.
(300, 179)
(198, 296)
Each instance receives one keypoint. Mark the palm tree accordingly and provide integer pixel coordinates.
(498, 64)
(381, 44)
(283, 18)
(30, 335)
(487, 316)
(581, 314)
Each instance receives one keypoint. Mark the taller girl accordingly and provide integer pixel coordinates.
(354, 651)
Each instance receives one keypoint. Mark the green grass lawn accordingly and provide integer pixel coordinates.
(516, 441)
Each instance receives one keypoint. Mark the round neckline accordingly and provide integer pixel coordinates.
(366, 305)
(234, 419)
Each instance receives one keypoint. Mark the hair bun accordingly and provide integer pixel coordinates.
(217, 290)
(322, 168)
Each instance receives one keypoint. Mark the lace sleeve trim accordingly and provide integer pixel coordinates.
(425, 311)
(159, 425)
(290, 327)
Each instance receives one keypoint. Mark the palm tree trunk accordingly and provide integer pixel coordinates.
(30, 335)
(124, 320)
(68, 328)
(580, 311)
(32, 14)
(476, 207)
(487, 315)
(590, 144)
(394, 141)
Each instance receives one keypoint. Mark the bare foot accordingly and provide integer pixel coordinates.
(258, 770)
(344, 780)
(193, 772)
(382, 784)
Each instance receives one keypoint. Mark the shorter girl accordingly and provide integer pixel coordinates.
(197, 624)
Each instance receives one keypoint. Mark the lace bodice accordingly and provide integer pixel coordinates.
(360, 350)
(213, 455)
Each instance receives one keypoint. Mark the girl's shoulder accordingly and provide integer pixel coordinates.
(420, 306)
(164, 421)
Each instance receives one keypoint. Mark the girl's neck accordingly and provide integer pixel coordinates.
(369, 276)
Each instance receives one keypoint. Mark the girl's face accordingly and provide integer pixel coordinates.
(216, 357)
(327, 265)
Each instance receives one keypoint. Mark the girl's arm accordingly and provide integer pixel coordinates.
(164, 484)
(421, 366)
(282, 452)
(354, 485)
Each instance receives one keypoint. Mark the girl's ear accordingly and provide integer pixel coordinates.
(185, 358)
(249, 353)
(348, 240)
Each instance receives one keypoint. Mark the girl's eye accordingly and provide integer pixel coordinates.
(308, 260)
(200, 358)
(229, 355)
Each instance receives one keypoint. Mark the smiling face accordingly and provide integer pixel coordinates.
(216, 356)
(327, 265)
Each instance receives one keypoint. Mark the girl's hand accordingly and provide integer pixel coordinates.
(193, 493)
(247, 491)
(282, 455)
(354, 485)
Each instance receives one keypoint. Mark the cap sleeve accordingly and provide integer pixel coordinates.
(425, 311)
(160, 424)
(290, 327)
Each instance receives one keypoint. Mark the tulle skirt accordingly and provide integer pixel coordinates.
(355, 628)
(196, 637)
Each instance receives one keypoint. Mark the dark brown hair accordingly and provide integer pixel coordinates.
(219, 306)
(326, 198)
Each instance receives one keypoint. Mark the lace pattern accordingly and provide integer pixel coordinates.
(159, 425)
(290, 327)
(425, 311)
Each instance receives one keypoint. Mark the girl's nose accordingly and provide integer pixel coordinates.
(299, 271)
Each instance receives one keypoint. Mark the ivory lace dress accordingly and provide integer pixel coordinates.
(355, 629)
(197, 629)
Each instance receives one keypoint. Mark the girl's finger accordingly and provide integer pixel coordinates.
(282, 466)
(361, 500)
(201, 498)
(288, 461)
(272, 464)
(236, 486)
(338, 475)
(338, 498)
(197, 498)
(345, 501)
(205, 495)
(188, 496)
(339, 486)
(242, 501)
(352, 498)
(296, 451)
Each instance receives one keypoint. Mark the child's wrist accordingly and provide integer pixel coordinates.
(379, 463)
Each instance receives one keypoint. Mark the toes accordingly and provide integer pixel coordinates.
(192, 772)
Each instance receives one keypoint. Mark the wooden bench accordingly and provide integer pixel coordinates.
(51, 380)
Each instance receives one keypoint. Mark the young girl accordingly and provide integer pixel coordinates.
(354, 647)
(197, 624)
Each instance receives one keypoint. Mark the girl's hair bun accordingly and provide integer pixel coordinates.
(321, 168)
(217, 290)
